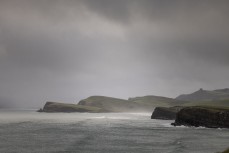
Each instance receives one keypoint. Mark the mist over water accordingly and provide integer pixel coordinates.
(28, 131)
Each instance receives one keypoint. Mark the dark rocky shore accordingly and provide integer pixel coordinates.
(206, 116)
(211, 117)
(226, 151)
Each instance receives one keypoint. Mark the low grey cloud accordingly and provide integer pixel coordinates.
(69, 50)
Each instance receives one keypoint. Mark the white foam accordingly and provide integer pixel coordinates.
(100, 117)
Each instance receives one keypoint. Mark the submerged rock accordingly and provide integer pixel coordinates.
(165, 113)
(210, 117)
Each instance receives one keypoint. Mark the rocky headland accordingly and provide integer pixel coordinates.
(110, 104)
(211, 117)
(165, 107)
(64, 107)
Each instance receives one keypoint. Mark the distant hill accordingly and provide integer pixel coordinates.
(113, 104)
(219, 98)
(215, 103)
(110, 104)
(157, 101)
(145, 103)
(206, 95)
(65, 107)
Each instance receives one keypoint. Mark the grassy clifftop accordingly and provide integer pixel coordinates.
(215, 103)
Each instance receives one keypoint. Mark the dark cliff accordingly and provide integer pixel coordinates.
(226, 151)
(165, 113)
(210, 117)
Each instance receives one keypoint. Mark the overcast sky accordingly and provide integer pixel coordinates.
(67, 50)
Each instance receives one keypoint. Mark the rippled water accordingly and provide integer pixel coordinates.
(32, 132)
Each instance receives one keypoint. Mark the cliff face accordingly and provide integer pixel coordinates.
(203, 116)
(165, 113)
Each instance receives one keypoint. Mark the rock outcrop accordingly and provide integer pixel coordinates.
(64, 107)
(165, 113)
(210, 117)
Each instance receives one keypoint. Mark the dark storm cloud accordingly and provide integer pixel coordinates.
(68, 50)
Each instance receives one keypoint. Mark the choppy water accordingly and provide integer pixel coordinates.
(32, 132)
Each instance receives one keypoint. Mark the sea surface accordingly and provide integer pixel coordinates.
(26, 131)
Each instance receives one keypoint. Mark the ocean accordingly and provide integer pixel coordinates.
(27, 131)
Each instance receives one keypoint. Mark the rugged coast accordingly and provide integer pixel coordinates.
(211, 117)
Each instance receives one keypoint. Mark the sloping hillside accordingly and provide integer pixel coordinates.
(205, 95)
(64, 107)
(156, 101)
(218, 103)
(113, 104)
(145, 103)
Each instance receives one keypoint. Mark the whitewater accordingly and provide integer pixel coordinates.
(26, 131)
